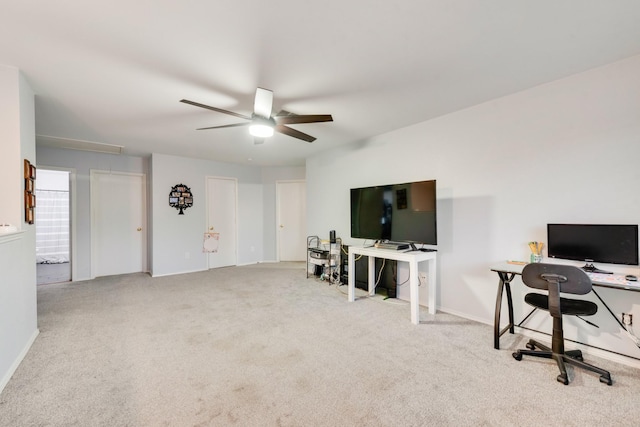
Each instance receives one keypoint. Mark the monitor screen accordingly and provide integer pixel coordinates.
(611, 244)
(396, 212)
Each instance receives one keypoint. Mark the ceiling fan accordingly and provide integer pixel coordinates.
(262, 124)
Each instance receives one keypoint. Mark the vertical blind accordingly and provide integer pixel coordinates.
(52, 226)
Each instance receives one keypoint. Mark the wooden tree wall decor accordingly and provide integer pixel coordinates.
(180, 198)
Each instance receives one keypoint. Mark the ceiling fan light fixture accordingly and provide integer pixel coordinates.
(262, 127)
(261, 130)
(262, 124)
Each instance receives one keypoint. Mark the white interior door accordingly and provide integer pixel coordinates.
(118, 228)
(292, 220)
(222, 219)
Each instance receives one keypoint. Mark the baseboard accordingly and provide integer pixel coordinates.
(16, 363)
(205, 269)
(178, 272)
(466, 316)
(592, 351)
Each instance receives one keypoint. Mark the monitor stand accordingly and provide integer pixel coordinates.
(590, 268)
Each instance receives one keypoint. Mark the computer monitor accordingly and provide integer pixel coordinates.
(604, 243)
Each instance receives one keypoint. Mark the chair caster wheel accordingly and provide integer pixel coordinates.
(606, 380)
(562, 379)
(531, 346)
(517, 355)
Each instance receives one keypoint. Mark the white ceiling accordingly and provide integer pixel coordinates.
(114, 72)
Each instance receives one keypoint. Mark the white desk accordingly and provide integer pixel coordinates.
(413, 258)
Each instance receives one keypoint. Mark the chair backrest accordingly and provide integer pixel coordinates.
(570, 279)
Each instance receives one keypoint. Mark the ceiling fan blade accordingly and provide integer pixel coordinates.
(263, 103)
(219, 110)
(226, 126)
(294, 133)
(309, 118)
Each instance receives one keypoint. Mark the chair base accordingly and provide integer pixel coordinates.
(571, 357)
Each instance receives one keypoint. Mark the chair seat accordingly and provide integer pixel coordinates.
(573, 307)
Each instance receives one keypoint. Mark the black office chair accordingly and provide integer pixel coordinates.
(555, 279)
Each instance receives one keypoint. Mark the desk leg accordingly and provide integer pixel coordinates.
(432, 285)
(414, 302)
(351, 281)
(372, 275)
(505, 282)
(609, 310)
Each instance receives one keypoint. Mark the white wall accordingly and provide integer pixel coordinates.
(173, 235)
(11, 166)
(566, 151)
(18, 304)
(170, 238)
(83, 162)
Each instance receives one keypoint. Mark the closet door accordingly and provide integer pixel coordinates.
(118, 226)
(222, 210)
(292, 220)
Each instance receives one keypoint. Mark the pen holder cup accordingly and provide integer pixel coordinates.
(535, 258)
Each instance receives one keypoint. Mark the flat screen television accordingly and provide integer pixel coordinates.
(395, 212)
(605, 243)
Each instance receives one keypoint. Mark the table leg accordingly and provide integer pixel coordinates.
(352, 278)
(432, 285)
(414, 302)
(372, 275)
(505, 282)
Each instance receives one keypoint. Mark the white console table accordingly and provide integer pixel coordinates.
(413, 258)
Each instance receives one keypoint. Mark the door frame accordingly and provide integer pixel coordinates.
(277, 224)
(206, 217)
(72, 215)
(93, 208)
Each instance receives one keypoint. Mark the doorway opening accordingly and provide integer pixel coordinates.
(52, 215)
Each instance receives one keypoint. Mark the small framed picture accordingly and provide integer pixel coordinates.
(33, 200)
(32, 172)
(173, 200)
(28, 185)
(28, 215)
(27, 168)
(27, 200)
(188, 200)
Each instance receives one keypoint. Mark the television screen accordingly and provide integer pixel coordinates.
(396, 212)
(611, 244)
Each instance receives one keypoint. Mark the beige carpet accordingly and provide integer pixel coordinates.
(263, 346)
